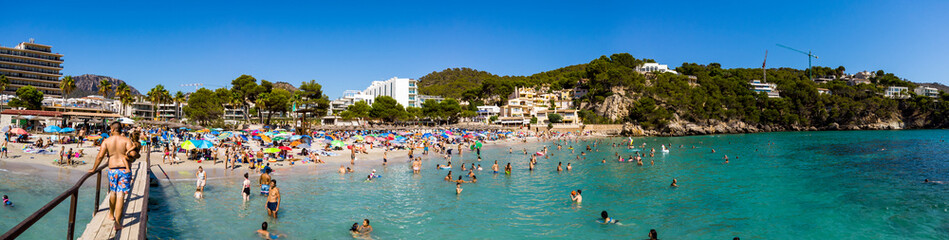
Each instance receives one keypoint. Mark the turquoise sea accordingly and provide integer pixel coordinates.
(794, 185)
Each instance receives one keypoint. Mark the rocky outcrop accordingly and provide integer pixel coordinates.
(88, 84)
(615, 106)
(685, 128)
(285, 86)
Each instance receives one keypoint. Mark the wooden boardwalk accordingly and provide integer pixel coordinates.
(136, 207)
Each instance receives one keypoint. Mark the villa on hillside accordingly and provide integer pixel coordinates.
(927, 91)
(896, 92)
(770, 88)
(654, 67)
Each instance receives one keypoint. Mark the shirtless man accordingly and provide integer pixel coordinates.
(273, 199)
(495, 167)
(117, 148)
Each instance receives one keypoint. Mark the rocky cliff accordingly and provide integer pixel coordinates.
(685, 128)
(88, 84)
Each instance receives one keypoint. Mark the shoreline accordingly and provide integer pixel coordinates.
(20, 162)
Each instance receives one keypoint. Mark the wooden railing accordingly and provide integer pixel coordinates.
(73, 194)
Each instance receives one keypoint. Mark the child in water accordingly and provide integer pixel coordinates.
(607, 219)
(6, 201)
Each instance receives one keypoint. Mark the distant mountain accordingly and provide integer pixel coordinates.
(88, 84)
(285, 86)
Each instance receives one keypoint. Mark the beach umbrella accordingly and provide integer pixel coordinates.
(67, 130)
(359, 137)
(468, 136)
(370, 139)
(426, 135)
(476, 145)
(265, 138)
(51, 129)
(279, 138)
(217, 129)
(188, 145)
(303, 145)
(296, 137)
(199, 144)
(215, 132)
(271, 150)
(18, 131)
(225, 135)
(284, 148)
(337, 143)
(306, 136)
(295, 143)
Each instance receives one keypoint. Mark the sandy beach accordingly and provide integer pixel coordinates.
(20, 161)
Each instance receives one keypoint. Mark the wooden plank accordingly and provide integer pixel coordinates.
(101, 228)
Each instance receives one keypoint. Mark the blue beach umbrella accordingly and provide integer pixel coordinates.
(51, 129)
(67, 130)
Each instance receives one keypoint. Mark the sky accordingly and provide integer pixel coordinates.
(347, 44)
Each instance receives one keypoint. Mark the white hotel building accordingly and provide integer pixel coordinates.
(403, 90)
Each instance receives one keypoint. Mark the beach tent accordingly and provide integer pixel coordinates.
(51, 129)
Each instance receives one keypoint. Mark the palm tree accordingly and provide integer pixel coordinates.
(178, 99)
(126, 102)
(122, 92)
(105, 87)
(67, 85)
(3, 86)
(158, 95)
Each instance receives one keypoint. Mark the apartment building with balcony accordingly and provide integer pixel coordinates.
(403, 90)
(31, 64)
(526, 103)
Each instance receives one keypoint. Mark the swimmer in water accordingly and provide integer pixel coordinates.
(458, 188)
(267, 234)
(653, 235)
(6, 201)
(448, 177)
(342, 169)
(936, 182)
(479, 167)
(569, 167)
(559, 166)
(576, 197)
(674, 183)
(507, 169)
(607, 219)
(495, 166)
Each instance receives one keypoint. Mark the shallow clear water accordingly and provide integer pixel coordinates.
(30, 189)
(810, 185)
